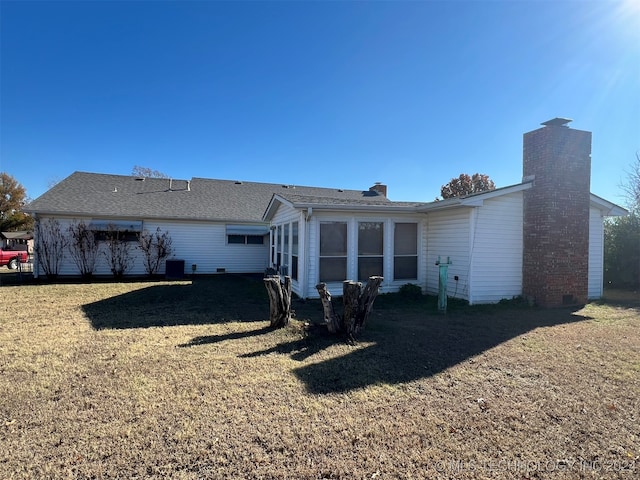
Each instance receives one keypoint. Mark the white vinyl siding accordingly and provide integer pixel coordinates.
(496, 250)
(448, 236)
(203, 244)
(596, 254)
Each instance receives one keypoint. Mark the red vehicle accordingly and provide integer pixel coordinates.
(11, 258)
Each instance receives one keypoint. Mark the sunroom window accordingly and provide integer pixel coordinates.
(405, 251)
(370, 249)
(333, 251)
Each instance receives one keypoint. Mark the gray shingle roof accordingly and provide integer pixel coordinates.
(371, 200)
(102, 195)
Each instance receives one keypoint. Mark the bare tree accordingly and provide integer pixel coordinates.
(50, 246)
(146, 172)
(117, 251)
(631, 186)
(156, 247)
(83, 247)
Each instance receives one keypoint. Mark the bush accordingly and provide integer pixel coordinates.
(410, 291)
(622, 252)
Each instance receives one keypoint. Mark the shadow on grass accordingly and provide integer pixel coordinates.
(317, 338)
(209, 339)
(408, 338)
(220, 298)
(415, 342)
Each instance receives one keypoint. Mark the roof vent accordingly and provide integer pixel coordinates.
(557, 122)
(238, 182)
(115, 189)
(140, 179)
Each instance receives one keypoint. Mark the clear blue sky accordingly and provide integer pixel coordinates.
(335, 94)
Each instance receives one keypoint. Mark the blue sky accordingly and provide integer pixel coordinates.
(335, 94)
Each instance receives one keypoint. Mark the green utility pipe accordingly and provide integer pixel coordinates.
(442, 284)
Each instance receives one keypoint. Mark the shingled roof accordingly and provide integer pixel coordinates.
(102, 195)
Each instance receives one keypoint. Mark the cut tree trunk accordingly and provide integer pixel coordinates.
(350, 297)
(279, 300)
(332, 320)
(358, 303)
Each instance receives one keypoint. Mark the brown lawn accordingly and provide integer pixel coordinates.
(185, 380)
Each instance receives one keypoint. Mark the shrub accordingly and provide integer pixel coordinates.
(410, 291)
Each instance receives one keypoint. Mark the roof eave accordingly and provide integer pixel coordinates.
(607, 208)
(343, 207)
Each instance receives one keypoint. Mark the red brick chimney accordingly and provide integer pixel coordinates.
(555, 263)
(380, 188)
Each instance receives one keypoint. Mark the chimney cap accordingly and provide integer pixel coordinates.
(557, 122)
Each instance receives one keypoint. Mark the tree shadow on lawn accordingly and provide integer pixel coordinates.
(216, 299)
(209, 339)
(408, 345)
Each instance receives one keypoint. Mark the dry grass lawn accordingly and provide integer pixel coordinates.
(185, 380)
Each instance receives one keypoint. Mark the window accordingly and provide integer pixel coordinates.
(246, 234)
(255, 240)
(245, 239)
(120, 230)
(294, 251)
(370, 249)
(405, 251)
(333, 252)
(273, 246)
(285, 248)
(279, 244)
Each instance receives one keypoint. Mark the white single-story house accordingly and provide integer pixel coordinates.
(542, 237)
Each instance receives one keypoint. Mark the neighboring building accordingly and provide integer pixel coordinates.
(542, 238)
(21, 240)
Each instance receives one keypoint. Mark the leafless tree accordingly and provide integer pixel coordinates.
(631, 186)
(146, 172)
(50, 246)
(156, 247)
(83, 248)
(117, 251)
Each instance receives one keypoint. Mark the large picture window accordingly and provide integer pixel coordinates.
(405, 251)
(370, 249)
(333, 252)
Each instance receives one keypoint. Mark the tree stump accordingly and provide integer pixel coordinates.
(279, 300)
(367, 298)
(332, 320)
(358, 304)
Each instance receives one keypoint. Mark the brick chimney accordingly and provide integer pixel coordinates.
(379, 188)
(555, 263)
